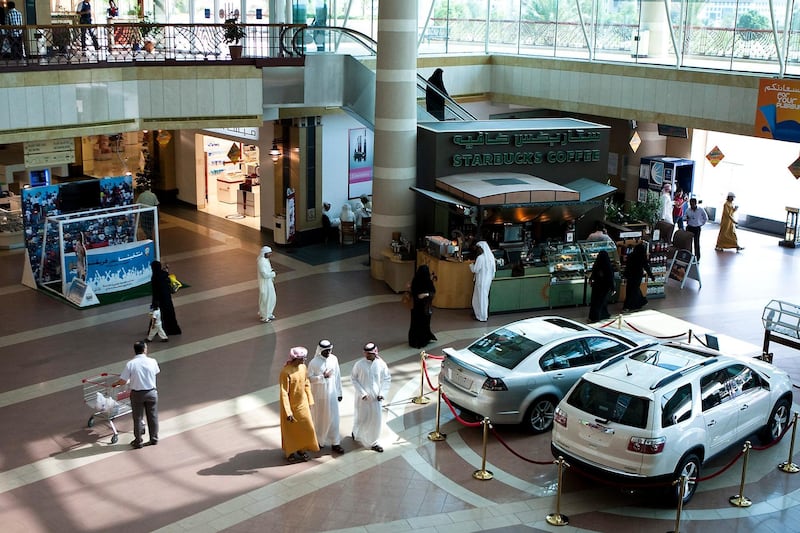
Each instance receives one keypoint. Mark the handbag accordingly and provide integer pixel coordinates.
(407, 300)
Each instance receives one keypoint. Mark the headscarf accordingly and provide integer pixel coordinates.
(266, 250)
(371, 347)
(488, 261)
(422, 281)
(298, 352)
(323, 345)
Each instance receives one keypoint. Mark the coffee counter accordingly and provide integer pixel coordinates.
(452, 279)
(516, 293)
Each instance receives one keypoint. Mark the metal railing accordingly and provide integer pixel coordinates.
(67, 44)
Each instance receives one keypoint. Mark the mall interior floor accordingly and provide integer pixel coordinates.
(219, 464)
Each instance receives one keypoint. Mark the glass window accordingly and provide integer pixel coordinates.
(570, 354)
(601, 348)
(726, 384)
(676, 406)
(610, 405)
(504, 347)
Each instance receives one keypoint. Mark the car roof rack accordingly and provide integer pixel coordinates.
(682, 372)
(623, 355)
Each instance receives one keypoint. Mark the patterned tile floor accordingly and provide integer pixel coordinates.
(219, 465)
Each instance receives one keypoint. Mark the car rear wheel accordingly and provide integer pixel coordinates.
(778, 420)
(539, 416)
(689, 469)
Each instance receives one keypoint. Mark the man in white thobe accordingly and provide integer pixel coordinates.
(266, 286)
(484, 268)
(326, 387)
(371, 380)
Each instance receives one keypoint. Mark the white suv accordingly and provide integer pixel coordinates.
(657, 412)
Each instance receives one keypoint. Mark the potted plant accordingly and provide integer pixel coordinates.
(233, 33)
(148, 32)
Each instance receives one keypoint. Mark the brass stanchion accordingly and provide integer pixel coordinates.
(789, 467)
(435, 435)
(740, 500)
(690, 337)
(484, 474)
(421, 399)
(619, 321)
(681, 494)
(558, 519)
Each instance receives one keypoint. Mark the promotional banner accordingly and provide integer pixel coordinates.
(111, 269)
(359, 161)
(778, 110)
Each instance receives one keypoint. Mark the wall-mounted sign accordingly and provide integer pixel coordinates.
(250, 134)
(778, 110)
(49, 153)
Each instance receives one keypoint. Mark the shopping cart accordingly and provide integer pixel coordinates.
(106, 401)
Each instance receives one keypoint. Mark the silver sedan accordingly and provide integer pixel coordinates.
(519, 372)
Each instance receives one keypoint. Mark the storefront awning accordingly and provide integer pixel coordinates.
(580, 196)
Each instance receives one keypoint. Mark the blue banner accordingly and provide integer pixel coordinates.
(113, 268)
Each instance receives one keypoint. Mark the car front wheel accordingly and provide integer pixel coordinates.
(539, 416)
(778, 420)
(688, 471)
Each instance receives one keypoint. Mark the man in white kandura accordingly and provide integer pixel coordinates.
(326, 387)
(484, 269)
(371, 380)
(266, 286)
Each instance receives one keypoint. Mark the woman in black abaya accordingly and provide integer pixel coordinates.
(602, 282)
(162, 295)
(422, 291)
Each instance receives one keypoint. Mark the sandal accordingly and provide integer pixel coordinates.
(294, 458)
(337, 448)
(378, 448)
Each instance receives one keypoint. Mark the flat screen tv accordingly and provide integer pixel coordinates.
(79, 196)
(673, 131)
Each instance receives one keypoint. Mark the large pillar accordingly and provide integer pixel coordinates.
(395, 167)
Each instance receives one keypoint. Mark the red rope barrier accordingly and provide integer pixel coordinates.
(637, 330)
(427, 377)
(437, 357)
(724, 468)
(507, 447)
(776, 441)
(463, 422)
(606, 325)
(698, 339)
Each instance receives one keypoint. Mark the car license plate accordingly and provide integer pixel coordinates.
(465, 382)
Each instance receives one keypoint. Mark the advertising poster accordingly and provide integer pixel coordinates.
(778, 110)
(291, 226)
(359, 157)
(112, 269)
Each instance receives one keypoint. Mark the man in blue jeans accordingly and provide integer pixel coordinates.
(140, 373)
(85, 19)
(696, 217)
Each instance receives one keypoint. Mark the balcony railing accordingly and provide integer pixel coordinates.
(113, 44)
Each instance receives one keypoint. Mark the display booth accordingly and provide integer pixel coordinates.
(89, 267)
(81, 240)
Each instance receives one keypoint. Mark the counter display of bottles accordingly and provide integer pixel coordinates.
(659, 264)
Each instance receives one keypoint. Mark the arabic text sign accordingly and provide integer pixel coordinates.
(114, 268)
(778, 110)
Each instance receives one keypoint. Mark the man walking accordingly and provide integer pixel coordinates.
(12, 45)
(371, 380)
(696, 217)
(85, 20)
(266, 286)
(326, 387)
(297, 426)
(140, 372)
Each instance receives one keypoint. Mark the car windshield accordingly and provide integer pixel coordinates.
(504, 347)
(609, 405)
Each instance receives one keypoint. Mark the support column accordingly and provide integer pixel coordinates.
(395, 167)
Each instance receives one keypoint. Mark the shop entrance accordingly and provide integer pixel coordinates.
(228, 180)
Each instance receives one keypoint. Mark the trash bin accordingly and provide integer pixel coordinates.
(279, 233)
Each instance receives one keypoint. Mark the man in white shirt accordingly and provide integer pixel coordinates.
(326, 387)
(140, 373)
(371, 380)
(696, 217)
